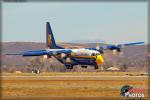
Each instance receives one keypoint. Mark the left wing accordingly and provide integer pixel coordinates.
(50, 52)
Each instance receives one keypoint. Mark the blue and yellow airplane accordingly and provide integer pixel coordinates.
(71, 57)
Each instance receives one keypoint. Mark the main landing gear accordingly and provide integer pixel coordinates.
(83, 66)
(69, 66)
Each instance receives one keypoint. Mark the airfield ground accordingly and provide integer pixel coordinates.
(69, 85)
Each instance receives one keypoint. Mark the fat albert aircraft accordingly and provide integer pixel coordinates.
(71, 57)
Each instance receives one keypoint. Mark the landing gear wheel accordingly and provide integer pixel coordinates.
(69, 66)
(83, 66)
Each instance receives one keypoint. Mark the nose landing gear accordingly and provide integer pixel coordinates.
(96, 66)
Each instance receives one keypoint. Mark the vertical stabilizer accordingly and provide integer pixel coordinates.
(50, 41)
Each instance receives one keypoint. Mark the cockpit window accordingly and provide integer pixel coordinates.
(93, 54)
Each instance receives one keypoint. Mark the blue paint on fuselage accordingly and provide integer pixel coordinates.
(83, 61)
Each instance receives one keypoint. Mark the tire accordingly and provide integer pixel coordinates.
(96, 66)
(69, 66)
(83, 66)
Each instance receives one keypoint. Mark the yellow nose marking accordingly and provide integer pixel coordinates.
(99, 59)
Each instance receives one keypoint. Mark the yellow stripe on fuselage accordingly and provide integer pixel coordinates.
(76, 56)
(99, 59)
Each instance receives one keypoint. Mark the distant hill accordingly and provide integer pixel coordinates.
(87, 41)
(9, 47)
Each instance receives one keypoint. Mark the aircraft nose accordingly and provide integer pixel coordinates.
(99, 59)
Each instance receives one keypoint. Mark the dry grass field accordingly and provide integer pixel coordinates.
(67, 86)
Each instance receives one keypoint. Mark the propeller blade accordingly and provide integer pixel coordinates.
(45, 56)
(121, 54)
(97, 47)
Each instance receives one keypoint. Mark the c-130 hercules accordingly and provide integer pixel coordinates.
(71, 57)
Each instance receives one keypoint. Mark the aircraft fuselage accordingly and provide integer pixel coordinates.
(78, 57)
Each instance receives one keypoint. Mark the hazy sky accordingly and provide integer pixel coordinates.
(113, 22)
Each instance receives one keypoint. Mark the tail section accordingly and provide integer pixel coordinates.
(50, 41)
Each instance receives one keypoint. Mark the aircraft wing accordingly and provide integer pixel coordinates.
(114, 47)
(119, 46)
(128, 44)
(43, 52)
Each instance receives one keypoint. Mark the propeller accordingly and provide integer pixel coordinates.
(65, 57)
(98, 48)
(114, 52)
(62, 55)
(46, 56)
(121, 54)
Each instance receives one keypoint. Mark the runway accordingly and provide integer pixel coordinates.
(67, 86)
(71, 77)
